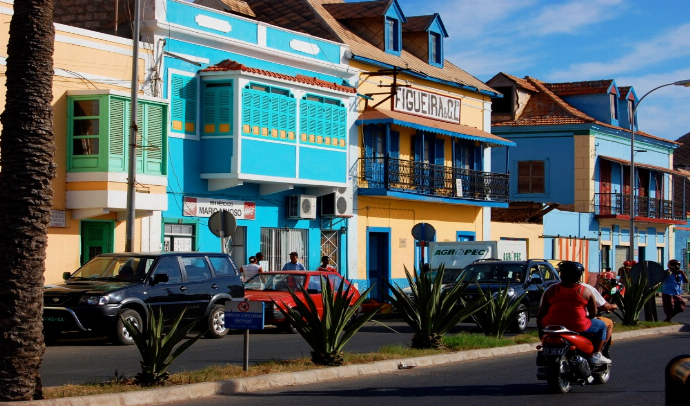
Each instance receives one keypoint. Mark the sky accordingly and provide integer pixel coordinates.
(639, 43)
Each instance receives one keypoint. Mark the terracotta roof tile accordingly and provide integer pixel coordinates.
(361, 9)
(624, 90)
(653, 167)
(520, 82)
(228, 65)
(681, 156)
(418, 23)
(311, 17)
(576, 88)
(546, 108)
(235, 6)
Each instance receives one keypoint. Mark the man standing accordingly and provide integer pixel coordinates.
(671, 290)
(325, 266)
(293, 265)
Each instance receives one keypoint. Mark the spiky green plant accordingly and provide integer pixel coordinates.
(500, 311)
(431, 311)
(327, 334)
(637, 293)
(158, 348)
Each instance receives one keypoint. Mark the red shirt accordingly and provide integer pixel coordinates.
(567, 308)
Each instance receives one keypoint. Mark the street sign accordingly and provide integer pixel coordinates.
(244, 315)
(222, 223)
(423, 232)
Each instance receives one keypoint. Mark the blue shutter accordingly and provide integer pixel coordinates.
(440, 152)
(478, 158)
(394, 149)
(183, 103)
(190, 106)
(417, 147)
(224, 103)
(368, 141)
(209, 112)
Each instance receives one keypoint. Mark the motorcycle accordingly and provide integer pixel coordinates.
(611, 286)
(562, 360)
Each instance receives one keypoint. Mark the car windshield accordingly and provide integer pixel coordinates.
(449, 275)
(270, 281)
(121, 268)
(496, 273)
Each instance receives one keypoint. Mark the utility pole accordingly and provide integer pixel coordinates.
(132, 168)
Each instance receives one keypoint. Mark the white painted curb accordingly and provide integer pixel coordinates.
(261, 382)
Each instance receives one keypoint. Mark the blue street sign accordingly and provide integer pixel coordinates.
(244, 315)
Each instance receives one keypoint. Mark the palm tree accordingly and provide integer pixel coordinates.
(27, 147)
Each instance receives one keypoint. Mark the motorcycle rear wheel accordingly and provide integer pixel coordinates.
(603, 376)
(557, 377)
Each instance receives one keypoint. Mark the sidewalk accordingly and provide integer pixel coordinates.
(257, 383)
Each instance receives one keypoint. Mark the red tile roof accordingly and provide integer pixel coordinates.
(681, 156)
(652, 167)
(228, 65)
(234, 6)
(577, 88)
(520, 82)
(418, 23)
(546, 108)
(361, 9)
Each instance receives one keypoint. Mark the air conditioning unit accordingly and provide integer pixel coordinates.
(338, 204)
(301, 207)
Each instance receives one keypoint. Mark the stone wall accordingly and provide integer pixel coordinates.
(96, 15)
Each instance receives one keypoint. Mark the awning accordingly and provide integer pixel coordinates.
(638, 165)
(376, 116)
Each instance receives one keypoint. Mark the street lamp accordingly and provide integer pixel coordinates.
(631, 254)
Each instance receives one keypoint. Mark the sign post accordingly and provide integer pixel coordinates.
(245, 315)
(223, 224)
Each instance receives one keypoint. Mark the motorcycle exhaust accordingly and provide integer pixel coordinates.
(581, 369)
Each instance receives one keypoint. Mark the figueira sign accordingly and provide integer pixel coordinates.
(420, 103)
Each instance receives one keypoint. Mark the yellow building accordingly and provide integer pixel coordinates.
(91, 90)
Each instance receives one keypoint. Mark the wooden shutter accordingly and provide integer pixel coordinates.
(537, 176)
(118, 135)
(154, 140)
(524, 176)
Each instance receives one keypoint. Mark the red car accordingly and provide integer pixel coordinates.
(268, 286)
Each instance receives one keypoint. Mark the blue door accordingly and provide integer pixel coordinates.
(378, 260)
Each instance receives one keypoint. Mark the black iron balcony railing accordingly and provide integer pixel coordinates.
(433, 180)
(619, 204)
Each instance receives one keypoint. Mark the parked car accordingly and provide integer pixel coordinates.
(449, 275)
(93, 298)
(268, 286)
(532, 276)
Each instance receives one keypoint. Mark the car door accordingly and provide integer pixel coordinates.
(170, 296)
(200, 289)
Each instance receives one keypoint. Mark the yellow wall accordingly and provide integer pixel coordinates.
(400, 216)
(101, 62)
(535, 245)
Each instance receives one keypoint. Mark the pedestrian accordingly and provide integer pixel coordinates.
(325, 267)
(260, 259)
(293, 265)
(624, 271)
(251, 269)
(671, 290)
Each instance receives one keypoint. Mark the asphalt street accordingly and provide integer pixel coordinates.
(637, 379)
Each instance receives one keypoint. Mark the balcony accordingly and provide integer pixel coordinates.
(431, 180)
(617, 204)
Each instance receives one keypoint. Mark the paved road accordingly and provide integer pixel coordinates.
(90, 360)
(637, 379)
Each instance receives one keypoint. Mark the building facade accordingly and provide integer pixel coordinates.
(573, 157)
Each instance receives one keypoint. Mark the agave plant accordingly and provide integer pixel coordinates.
(637, 293)
(158, 348)
(431, 311)
(500, 311)
(327, 334)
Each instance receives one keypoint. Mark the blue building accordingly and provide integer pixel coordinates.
(258, 125)
(573, 157)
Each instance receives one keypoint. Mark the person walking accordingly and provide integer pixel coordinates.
(325, 267)
(252, 268)
(293, 265)
(671, 290)
(260, 259)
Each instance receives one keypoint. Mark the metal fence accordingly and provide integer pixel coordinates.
(619, 204)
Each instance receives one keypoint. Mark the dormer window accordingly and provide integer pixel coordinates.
(435, 49)
(631, 108)
(393, 34)
(614, 106)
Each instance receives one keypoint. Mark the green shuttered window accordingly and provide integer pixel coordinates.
(98, 134)
(183, 102)
(323, 121)
(268, 111)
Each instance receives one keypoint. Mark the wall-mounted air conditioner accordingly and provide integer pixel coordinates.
(301, 207)
(338, 204)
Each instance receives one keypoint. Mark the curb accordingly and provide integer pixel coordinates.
(257, 383)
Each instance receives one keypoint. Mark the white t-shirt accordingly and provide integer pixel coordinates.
(250, 270)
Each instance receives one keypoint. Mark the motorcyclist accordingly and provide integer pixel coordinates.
(572, 305)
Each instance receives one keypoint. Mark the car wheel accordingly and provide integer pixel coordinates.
(215, 322)
(121, 335)
(520, 323)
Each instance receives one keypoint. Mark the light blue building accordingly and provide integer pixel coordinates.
(259, 126)
(573, 157)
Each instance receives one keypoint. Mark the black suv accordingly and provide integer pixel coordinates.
(92, 299)
(532, 276)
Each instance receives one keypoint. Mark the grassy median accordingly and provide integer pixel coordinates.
(453, 343)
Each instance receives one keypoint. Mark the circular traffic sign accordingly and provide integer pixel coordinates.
(222, 221)
(423, 232)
